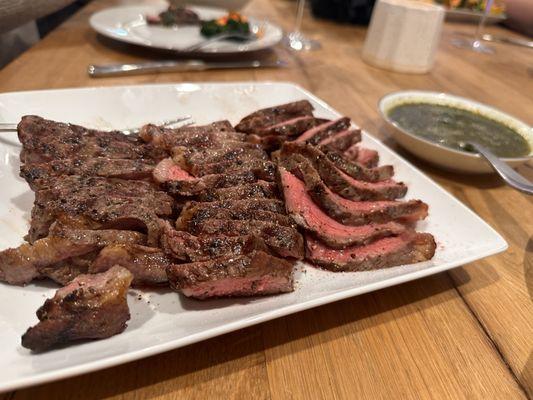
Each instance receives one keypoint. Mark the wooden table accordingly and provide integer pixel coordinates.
(467, 333)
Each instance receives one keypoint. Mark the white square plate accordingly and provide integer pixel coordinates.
(164, 320)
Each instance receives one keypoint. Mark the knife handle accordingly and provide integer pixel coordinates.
(96, 71)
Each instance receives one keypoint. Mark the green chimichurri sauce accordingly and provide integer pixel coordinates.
(449, 126)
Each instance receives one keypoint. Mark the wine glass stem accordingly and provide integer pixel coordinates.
(299, 16)
(481, 25)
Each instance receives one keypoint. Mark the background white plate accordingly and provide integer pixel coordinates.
(128, 24)
(163, 320)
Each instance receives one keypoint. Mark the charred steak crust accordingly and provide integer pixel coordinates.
(90, 307)
(44, 140)
(273, 115)
(256, 273)
(187, 247)
(408, 248)
(257, 190)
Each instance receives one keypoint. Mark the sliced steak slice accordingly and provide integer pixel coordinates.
(367, 157)
(257, 273)
(98, 166)
(84, 191)
(45, 141)
(323, 131)
(187, 247)
(188, 187)
(310, 217)
(167, 138)
(147, 264)
(108, 206)
(351, 152)
(358, 171)
(341, 141)
(268, 142)
(274, 115)
(180, 182)
(282, 240)
(186, 156)
(257, 190)
(90, 307)
(350, 212)
(264, 170)
(345, 185)
(408, 248)
(272, 205)
(19, 266)
(292, 127)
(332, 162)
(190, 217)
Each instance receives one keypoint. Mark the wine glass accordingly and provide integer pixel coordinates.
(476, 44)
(296, 40)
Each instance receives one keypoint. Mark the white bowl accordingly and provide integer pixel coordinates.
(443, 156)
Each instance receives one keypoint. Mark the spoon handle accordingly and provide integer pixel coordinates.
(508, 174)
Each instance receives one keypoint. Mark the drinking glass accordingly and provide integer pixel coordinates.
(476, 44)
(296, 40)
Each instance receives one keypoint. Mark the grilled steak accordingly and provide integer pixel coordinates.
(319, 133)
(311, 218)
(90, 307)
(45, 141)
(178, 181)
(358, 171)
(367, 157)
(110, 203)
(271, 210)
(408, 248)
(332, 162)
(269, 142)
(187, 247)
(186, 156)
(196, 136)
(292, 127)
(345, 185)
(350, 212)
(98, 166)
(264, 170)
(259, 189)
(147, 264)
(282, 240)
(341, 141)
(274, 115)
(21, 265)
(256, 273)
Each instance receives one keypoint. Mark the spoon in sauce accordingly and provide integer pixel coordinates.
(509, 175)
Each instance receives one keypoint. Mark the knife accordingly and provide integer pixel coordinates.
(96, 71)
(510, 40)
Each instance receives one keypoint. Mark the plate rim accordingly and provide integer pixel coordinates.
(128, 40)
(499, 246)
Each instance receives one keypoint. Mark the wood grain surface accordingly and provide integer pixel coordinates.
(465, 334)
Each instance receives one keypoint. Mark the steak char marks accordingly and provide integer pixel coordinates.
(239, 224)
(335, 191)
(90, 307)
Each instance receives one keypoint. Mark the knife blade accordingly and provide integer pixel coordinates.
(97, 71)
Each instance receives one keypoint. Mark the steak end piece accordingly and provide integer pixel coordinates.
(257, 273)
(408, 248)
(89, 307)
